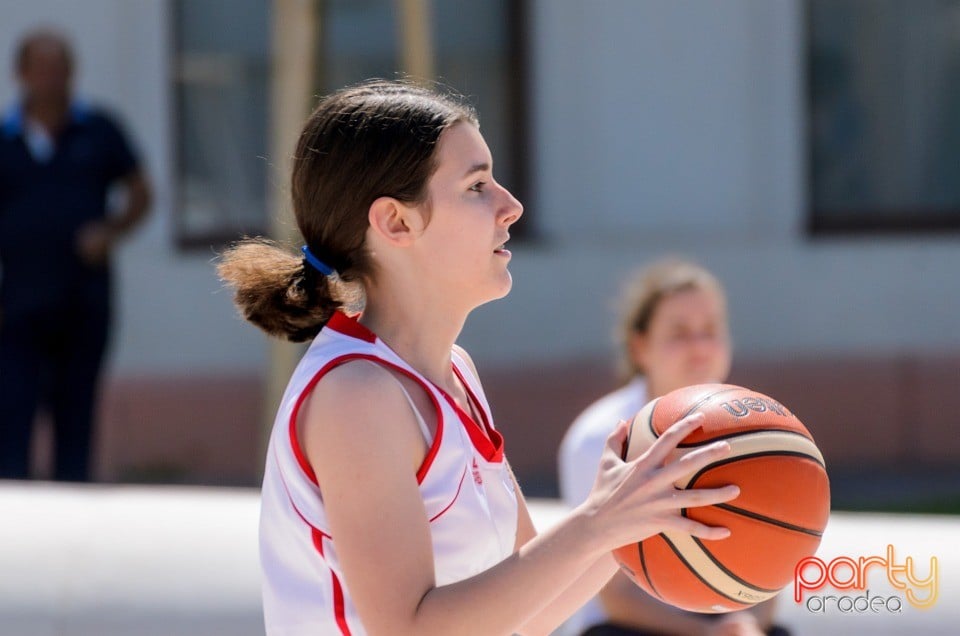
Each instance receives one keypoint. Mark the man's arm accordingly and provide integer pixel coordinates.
(138, 202)
(96, 239)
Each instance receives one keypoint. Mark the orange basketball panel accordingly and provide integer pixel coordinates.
(791, 489)
(678, 585)
(630, 562)
(729, 410)
(760, 554)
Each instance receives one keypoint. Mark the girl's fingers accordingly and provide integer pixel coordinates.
(697, 497)
(693, 462)
(695, 528)
(671, 438)
(618, 438)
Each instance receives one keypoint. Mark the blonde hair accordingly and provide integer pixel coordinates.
(644, 291)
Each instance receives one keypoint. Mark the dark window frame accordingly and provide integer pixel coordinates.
(828, 223)
(184, 240)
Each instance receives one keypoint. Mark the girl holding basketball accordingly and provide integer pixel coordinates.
(388, 506)
(673, 334)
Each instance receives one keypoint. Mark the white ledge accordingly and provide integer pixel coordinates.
(79, 560)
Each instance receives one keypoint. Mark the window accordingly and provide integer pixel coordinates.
(221, 77)
(884, 107)
(222, 93)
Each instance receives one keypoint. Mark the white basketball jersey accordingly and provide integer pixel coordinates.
(466, 487)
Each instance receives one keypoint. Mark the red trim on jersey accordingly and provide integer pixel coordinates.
(295, 442)
(286, 489)
(349, 326)
(455, 497)
(293, 504)
(338, 602)
(318, 535)
(487, 440)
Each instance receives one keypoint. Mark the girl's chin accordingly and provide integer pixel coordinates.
(501, 290)
(507, 284)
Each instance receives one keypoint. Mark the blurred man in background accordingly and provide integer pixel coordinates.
(59, 159)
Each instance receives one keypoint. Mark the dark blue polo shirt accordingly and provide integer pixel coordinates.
(43, 203)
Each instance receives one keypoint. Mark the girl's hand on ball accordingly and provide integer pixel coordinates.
(631, 501)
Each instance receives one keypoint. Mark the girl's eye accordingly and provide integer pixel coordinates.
(477, 187)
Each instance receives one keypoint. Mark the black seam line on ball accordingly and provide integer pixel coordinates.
(626, 445)
(646, 574)
(653, 409)
(730, 460)
(693, 408)
(699, 576)
(733, 576)
(743, 433)
(707, 398)
(765, 519)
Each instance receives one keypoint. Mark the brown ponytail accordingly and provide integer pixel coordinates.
(361, 143)
(275, 290)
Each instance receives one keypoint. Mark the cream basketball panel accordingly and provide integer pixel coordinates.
(713, 575)
(764, 442)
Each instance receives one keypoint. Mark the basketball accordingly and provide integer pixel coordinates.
(777, 519)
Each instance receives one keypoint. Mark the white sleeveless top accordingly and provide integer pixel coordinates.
(466, 487)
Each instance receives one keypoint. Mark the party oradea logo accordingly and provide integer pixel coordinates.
(816, 580)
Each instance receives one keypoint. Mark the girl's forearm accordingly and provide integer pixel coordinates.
(522, 589)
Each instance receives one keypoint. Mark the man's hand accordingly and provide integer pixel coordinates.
(94, 242)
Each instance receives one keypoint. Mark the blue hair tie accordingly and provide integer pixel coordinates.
(316, 263)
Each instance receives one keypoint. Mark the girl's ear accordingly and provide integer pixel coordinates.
(395, 221)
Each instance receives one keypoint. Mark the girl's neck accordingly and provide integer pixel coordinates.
(421, 335)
